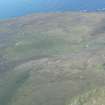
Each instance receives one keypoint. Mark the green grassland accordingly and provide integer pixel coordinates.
(51, 59)
(93, 97)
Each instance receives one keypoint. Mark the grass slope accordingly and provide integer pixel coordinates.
(47, 59)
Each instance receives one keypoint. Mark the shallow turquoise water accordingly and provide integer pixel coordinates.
(13, 8)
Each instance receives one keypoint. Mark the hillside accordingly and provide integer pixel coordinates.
(47, 59)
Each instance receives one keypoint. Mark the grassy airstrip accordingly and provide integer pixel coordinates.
(53, 59)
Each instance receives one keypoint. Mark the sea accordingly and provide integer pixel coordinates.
(15, 8)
